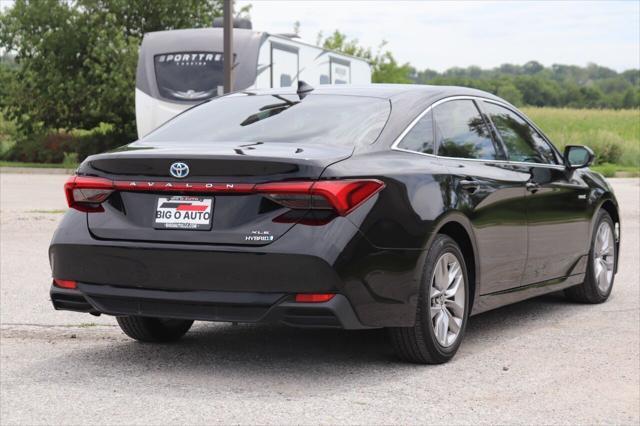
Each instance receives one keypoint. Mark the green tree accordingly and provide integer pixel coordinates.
(77, 60)
(510, 92)
(384, 67)
(631, 99)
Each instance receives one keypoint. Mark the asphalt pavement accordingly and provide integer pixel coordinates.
(542, 361)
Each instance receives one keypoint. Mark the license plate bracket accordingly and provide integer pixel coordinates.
(184, 213)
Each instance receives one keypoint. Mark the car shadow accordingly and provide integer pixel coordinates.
(262, 352)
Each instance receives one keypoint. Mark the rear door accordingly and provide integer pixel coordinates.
(487, 189)
(556, 200)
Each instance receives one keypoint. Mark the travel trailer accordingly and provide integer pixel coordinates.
(181, 68)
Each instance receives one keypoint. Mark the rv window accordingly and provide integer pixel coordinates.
(284, 66)
(340, 71)
(189, 76)
(322, 119)
(285, 80)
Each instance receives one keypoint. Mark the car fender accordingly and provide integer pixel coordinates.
(459, 218)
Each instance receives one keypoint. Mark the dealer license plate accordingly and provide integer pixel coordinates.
(188, 213)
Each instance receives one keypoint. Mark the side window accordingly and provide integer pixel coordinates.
(522, 141)
(461, 131)
(420, 137)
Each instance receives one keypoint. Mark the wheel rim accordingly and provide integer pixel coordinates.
(604, 257)
(447, 299)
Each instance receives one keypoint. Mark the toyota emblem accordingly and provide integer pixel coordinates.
(179, 170)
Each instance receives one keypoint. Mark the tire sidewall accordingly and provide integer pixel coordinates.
(443, 244)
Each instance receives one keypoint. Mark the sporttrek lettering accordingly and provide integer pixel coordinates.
(189, 58)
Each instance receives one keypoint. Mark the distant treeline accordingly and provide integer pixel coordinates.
(533, 84)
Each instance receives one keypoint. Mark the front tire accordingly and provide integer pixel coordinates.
(442, 310)
(145, 329)
(603, 254)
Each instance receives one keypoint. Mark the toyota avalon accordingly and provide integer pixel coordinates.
(404, 207)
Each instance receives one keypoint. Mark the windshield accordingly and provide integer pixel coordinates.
(323, 119)
(188, 76)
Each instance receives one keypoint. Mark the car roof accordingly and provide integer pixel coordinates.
(385, 91)
(408, 101)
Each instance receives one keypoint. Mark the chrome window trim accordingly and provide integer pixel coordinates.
(396, 142)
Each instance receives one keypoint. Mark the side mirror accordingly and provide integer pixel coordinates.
(577, 156)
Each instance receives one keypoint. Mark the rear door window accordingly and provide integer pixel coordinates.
(420, 138)
(522, 141)
(461, 132)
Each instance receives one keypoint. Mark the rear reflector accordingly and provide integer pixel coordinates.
(64, 283)
(86, 193)
(314, 297)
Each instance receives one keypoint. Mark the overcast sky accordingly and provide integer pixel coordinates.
(443, 34)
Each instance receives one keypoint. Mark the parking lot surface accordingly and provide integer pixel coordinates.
(544, 360)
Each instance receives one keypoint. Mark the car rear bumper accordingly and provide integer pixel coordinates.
(379, 284)
(204, 305)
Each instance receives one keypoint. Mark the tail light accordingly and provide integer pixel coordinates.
(86, 193)
(343, 196)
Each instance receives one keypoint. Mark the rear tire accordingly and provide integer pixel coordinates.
(603, 255)
(147, 329)
(429, 341)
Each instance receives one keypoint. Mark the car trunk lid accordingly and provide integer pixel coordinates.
(220, 176)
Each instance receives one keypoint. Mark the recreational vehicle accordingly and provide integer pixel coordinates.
(181, 68)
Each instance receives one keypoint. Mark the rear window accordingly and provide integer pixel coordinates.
(188, 76)
(322, 119)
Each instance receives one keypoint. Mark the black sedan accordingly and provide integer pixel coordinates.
(399, 206)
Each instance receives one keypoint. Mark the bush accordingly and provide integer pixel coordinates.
(7, 134)
(65, 147)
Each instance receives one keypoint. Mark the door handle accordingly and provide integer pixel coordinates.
(470, 185)
(532, 187)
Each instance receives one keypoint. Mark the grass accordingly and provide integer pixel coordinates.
(614, 135)
(609, 170)
(37, 165)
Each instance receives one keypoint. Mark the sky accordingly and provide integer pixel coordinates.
(443, 34)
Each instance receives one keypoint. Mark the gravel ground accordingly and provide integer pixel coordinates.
(543, 361)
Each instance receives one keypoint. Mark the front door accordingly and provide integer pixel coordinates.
(558, 218)
(556, 201)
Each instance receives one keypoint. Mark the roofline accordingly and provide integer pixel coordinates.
(280, 36)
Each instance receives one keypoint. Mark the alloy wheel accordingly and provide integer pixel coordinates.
(604, 257)
(447, 299)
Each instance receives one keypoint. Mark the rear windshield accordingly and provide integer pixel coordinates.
(188, 76)
(323, 119)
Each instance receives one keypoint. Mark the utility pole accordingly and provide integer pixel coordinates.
(227, 10)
